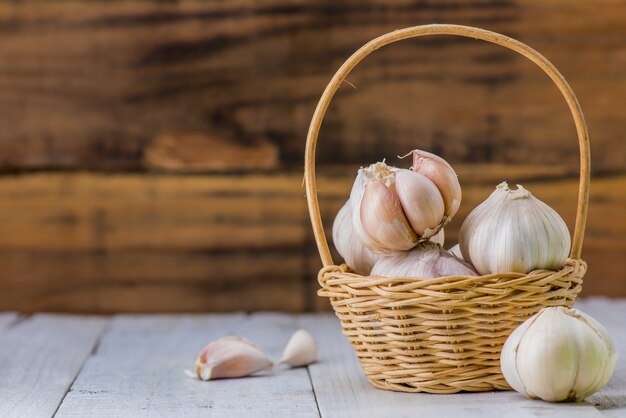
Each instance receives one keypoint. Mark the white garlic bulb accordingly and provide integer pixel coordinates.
(393, 209)
(426, 260)
(559, 354)
(357, 256)
(513, 231)
(443, 175)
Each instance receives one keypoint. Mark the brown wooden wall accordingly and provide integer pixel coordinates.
(151, 152)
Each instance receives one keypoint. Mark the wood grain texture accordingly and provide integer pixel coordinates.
(85, 242)
(342, 390)
(142, 84)
(40, 357)
(138, 371)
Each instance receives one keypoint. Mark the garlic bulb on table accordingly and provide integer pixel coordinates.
(513, 231)
(442, 175)
(559, 354)
(393, 208)
(357, 256)
(427, 260)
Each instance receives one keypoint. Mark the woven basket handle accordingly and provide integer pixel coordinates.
(469, 32)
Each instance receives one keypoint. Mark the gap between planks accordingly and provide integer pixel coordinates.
(40, 357)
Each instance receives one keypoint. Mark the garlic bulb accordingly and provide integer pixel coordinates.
(300, 350)
(357, 256)
(393, 209)
(559, 354)
(427, 260)
(514, 231)
(230, 357)
(443, 175)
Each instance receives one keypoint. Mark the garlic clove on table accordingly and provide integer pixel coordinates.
(301, 350)
(559, 354)
(230, 357)
(513, 231)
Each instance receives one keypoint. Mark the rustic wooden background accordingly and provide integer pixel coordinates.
(151, 152)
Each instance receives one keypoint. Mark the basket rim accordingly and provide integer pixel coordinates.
(497, 282)
(463, 31)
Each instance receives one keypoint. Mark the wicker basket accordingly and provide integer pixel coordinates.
(441, 335)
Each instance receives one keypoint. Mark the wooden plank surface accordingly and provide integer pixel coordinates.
(138, 371)
(40, 357)
(134, 84)
(133, 243)
(342, 389)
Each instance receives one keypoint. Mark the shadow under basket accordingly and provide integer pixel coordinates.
(442, 335)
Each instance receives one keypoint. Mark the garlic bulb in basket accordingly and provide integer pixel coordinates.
(393, 208)
(442, 175)
(513, 231)
(427, 260)
(357, 256)
(559, 354)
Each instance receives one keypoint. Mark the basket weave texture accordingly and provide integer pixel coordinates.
(442, 335)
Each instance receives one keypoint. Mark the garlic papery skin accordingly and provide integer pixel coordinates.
(442, 175)
(513, 231)
(456, 251)
(393, 209)
(559, 354)
(426, 260)
(230, 357)
(301, 350)
(357, 256)
(438, 238)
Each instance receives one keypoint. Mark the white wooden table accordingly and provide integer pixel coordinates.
(132, 366)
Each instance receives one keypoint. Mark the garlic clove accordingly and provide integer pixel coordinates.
(442, 175)
(421, 202)
(383, 219)
(357, 256)
(393, 209)
(426, 260)
(301, 350)
(600, 357)
(513, 231)
(230, 357)
(559, 354)
(508, 356)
